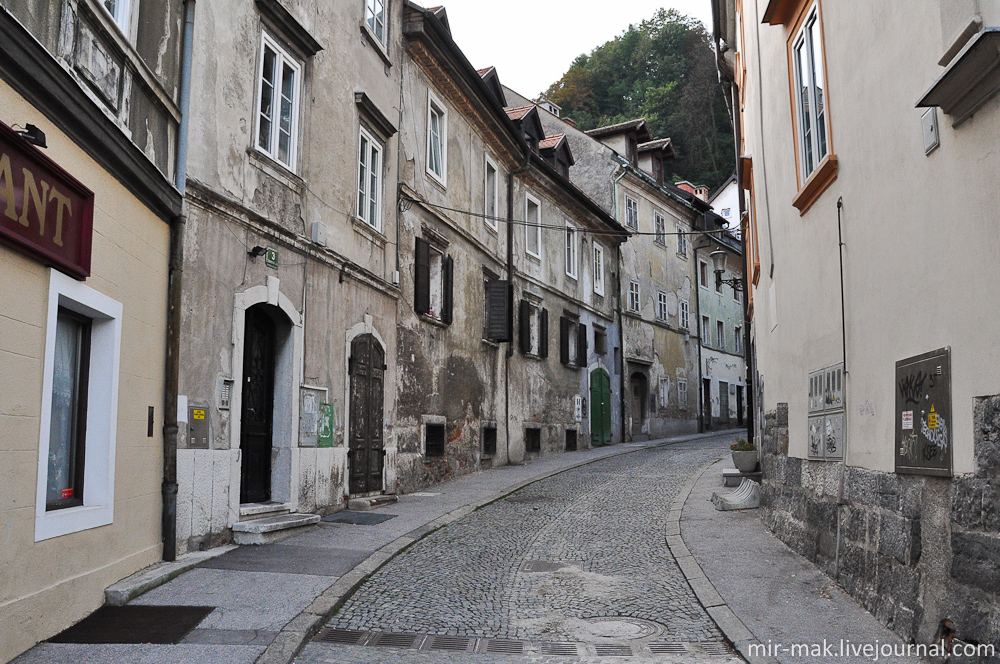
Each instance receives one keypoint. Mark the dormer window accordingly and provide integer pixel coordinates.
(658, 169)
(631, 149)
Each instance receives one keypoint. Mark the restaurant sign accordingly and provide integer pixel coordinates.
(45, 212)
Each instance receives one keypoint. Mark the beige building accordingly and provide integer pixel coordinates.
(89, 119)
(869, 171)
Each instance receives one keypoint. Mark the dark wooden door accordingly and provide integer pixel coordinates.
(367, 367)
(739, 405)
(600, 407)
(258, 406)
(638, 402)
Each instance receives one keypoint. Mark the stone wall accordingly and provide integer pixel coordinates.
(913, 550)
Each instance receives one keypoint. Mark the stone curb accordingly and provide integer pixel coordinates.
(728, 622)
(156, 575)
(294, 635)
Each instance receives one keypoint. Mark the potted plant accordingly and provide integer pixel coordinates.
(744, 455)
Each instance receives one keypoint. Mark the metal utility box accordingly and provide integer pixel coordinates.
(923, 414)
(827, 414)
(198, 428)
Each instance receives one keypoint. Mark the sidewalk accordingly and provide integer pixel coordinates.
(773, 595)
(268, 600)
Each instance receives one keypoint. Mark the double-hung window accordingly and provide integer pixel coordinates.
(682, 394)
(120, 11)
(720, 334)
(437, 139)
(633, 296)
(491, 186)
(572, 253)
(375, 18)
(810, 94)
(682, 242)
(664, 392)
(598, 269)
(532, 226)
(659, 228)
(631, 212)
(278, 107)
(683, 314)
(703, 274)
(661, 305)
(370, 180)
(738, 338)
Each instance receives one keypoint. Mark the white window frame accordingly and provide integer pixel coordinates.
(706, 333)
(493, 224)
(433, 103)
(684, 315)
(682, 394)
(703, 269)
(598, 269)
(682, 243)
(102, 409)
(661, 305)
(737, 333)
(817, 140)
(121, 15)
(529, 228)
(372, 20)
(631, 212)
(720, 334)
(283, 57)
(664, 385)
(634, 296)
(660, 228)
(364, 191)
(572, 252)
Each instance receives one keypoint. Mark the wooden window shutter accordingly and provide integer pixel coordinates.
(496, 325)
(524, 321)
(581, 345)
(448, 279)
(422, 278)
(543, 333)
(564, 340)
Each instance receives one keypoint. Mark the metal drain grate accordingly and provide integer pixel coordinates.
(667, 648)
(395, 640)
(716, 648)
(559, 649)
(452, 643)
(505, 646)
(607, 650)
(350, 637)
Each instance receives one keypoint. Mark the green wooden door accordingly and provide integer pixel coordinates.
(600, 407)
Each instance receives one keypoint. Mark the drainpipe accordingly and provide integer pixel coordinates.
(697, 315)
(176, 270)
(843, 333)
(510, 294)
(621, 322)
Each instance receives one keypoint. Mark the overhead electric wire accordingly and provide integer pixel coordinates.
(518, 222)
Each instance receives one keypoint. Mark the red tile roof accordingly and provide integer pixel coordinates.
(631, 125)
(550, 141)
(484, 70)
(518, 112)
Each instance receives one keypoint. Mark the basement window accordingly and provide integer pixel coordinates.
(489, 440)
(571, 440)
(532, 440)
(433, 440)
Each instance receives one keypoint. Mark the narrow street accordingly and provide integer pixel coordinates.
(573, 568)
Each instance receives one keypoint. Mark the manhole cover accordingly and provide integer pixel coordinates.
(541, 566)
(618, 629)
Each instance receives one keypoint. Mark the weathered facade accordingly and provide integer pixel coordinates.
(289, 306)
(879, 447)
(621, 169)
(90, 113)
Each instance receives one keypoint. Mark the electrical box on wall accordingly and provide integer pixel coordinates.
(929, 127)
(198, 429)
(924, 415)
(319, 232)
(827, 414)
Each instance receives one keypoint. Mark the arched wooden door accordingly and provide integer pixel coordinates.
(257, 405)
(600, 407)
(367, 369)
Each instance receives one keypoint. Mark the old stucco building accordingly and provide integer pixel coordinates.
(287, 375)
(90, 113)
(875, 329)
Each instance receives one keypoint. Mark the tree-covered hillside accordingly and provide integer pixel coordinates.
(663, 70)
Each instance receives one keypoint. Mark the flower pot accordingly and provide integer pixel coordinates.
(745, 462)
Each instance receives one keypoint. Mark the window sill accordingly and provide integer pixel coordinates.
(433, 320)
(533, 257)
(436, 180)
(364, 228)
(683, 256)
(490, 343)
(816, 184)
(276, 169)
(376, 44)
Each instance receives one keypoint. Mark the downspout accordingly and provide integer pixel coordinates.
(843, 336)
(748, 358)
(171, 383)
(697, 315)
(510, 294)
(621, 321)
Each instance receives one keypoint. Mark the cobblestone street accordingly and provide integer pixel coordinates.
(574, 565)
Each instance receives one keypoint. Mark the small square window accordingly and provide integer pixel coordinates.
(433, 440)
(600, 340)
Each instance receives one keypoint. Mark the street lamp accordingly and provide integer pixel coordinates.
(719, 265)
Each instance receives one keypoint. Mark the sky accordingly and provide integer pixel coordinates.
(533, 42)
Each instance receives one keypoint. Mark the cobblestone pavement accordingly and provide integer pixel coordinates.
(579, 557)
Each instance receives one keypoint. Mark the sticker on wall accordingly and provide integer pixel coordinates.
(907, 420)
(325, 429)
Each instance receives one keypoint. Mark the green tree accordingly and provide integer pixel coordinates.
(663, 70)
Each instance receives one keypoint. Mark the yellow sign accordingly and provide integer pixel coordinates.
(198, 414)
(932, 418)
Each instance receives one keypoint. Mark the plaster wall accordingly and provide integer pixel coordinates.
(50, 584)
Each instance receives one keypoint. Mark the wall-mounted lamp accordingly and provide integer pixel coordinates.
(719, 264)
(33, 135)
(255, 252)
